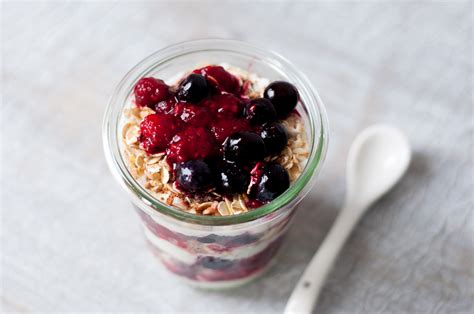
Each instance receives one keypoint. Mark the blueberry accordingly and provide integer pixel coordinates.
(243, 147)
(215, 262)
(284, 97)
(231, 179)
(194, 176)
(269, 180)
(260, 110)
(274, 136)
(244, 239)
(193, 89)
(211, 238)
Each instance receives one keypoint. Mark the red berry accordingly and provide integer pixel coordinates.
(190, 144)
(221, 129)
(220, 78)
(149, 91)
(156, 131)
(192, 114)
(224, 105)
(165, 106)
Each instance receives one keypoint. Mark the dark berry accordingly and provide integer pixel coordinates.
(243, 147)
(211, 238)
(191, 143)
(260, 110)
(220, 78)
(194, 176)
(165, 106)
(268, 181)
(224, 105)
(215, 262)
(274, 136)
(149, 91)
(193, 89)
(192, 114)
(221, 129)
(284, 97)
(156, 131)
(254, 203)
(231, 179)
(243, 239)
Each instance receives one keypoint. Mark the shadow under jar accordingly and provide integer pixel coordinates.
(216, 251)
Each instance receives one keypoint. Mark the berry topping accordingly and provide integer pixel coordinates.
(213, 131)
(194, 176)
(260, 110)
(244, 147)
(165, 106)
(231, 179)
(274, 136)
(221, 129)
(193, 89)
(224, 105)
(268, 181)
(284, 97)
(192, 114)
(149, 91)
(156, 131)
(191, 143)
(220, 78)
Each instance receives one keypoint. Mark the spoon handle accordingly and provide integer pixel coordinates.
(307, 290)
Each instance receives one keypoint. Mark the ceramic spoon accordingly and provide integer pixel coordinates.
(377, 159)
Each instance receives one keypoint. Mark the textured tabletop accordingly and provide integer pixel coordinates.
(71, 242)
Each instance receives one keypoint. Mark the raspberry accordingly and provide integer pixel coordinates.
(166, 106)
(220, 78)
(156, 131)
(192, 114)
(221, 129)
(149, 91)
(225, 105)
(190, 144)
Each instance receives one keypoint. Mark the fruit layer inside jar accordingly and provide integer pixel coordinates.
(219, 141)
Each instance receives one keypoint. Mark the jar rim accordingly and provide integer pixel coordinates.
(313, 105)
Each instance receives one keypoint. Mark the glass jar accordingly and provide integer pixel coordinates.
(216, 251)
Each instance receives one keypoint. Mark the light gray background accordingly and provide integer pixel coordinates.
(70, 241)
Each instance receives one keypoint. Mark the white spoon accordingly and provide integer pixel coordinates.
(377, 159)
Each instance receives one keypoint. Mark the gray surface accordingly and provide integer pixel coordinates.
(70, 242)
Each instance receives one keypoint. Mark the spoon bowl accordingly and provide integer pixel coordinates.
(378, 157)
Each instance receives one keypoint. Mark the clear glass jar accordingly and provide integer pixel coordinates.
(215, 251)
